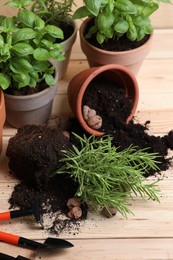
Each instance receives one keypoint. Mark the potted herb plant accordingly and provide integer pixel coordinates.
(58, 13)
(2, 116)
(118, 31)
(27, 77)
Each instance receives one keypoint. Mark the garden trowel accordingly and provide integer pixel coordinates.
(34, 210)
(49, 243)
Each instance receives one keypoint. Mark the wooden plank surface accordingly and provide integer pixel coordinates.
(148, 234)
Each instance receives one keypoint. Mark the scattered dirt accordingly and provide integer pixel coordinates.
(35, 151)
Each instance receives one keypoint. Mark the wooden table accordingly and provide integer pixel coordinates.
(148, 234)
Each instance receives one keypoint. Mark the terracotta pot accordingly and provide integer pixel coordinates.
(119, 74)
(31, 109)
(132, 59)
(2, 116)
(67, 47)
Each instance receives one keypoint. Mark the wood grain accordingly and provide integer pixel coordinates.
(146, 235)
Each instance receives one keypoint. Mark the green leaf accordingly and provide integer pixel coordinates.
(1, 41)
(33, 79)
(109, 33)
(4, 81)
(24, 34)
(141, 34)
(132, 33)
(100, 37)
(19, 3)
(23, 79)
(39, 23)
(105, 21)
(20, 64)
(125, 6)
(55, 54)
(50, 80)
(81, 12)
(54, 31)
(27, 17)
(93, 6)
(7, 25)
(149, 9)
(41, 54)
(121, 27)
(13, 3)
(141, 21)
(91, 31)
(23, 49)
(40, 66)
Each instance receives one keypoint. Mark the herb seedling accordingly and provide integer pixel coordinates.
(108, 177)
(114, 18)
(51, 11)
(26, 45)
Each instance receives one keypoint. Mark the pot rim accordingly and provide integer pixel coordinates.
(75, 29)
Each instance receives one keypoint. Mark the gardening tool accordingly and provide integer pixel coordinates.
(35, 210)
(49, 243)
(8, 257)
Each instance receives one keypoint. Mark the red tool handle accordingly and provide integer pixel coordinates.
(5, 216)
(9, 238)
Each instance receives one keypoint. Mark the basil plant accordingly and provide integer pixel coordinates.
(114, 18)
(26, 45)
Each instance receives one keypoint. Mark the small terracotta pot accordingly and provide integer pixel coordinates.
(119, 74)
(132, 59)
(2, 116)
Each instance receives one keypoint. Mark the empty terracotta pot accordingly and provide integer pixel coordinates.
(2, 116)
(118, 74)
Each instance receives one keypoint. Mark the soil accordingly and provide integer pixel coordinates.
(34, 154)
(27, 90)
(67, 30)
(116, 44)
(113, 100)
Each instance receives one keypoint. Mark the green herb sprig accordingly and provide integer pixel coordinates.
(108, 177)
(52, 11)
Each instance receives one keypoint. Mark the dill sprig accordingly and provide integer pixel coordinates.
(108, 177)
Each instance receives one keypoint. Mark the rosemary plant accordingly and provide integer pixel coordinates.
(52, 11)
(108, 177)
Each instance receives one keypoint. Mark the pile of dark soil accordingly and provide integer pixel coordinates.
(35, 151)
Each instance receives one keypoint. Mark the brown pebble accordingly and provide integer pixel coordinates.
(95, 122)
(109, 212)
(75, 212)
(73, 202)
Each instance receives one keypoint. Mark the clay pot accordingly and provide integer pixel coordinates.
(132, 59)
(31, 109)
(2, 116)
(119, 74)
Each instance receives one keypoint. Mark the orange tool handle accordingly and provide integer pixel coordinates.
(5, 216)
(9, 238)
